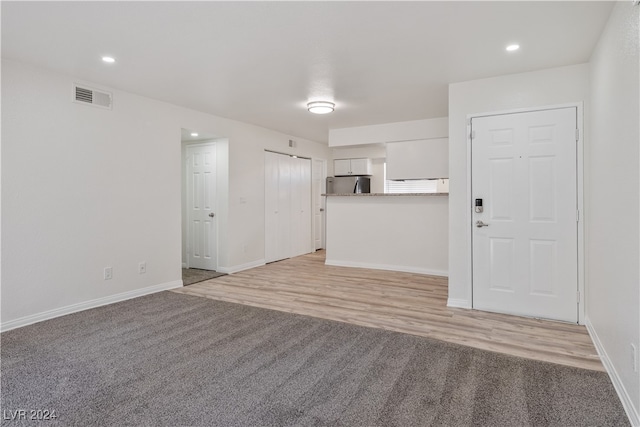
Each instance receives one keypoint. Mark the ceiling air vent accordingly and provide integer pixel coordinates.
(87, 95)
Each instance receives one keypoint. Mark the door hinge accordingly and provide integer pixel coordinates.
(577, 135)
(578, 295)
(578, 216)
(472, 135)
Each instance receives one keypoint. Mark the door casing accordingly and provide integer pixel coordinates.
(580, 195)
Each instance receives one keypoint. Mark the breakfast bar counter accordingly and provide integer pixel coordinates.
(402, 232)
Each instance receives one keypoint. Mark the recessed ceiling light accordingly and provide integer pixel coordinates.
(108, 59)
(320, 107)
(194, 133)
(513, 47)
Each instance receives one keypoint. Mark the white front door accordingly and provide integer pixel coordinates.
(525, 240)
(201, 203)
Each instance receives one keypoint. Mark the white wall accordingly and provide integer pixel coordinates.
(418, 159)
(540, 88)
(389, 132)
(612, 200)
(85, 188)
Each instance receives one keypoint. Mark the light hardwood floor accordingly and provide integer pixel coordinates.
(402, 302)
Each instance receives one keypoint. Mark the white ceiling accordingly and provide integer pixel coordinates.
(261, 62)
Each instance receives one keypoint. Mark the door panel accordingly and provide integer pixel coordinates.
(524, 169)
(304, 238)
(502, 253)
(283, 237)
(201, 202)
(271, 172)
(295, 191)
(542, 189)
(501, 189)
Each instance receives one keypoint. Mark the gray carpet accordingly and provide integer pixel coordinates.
(195, 275)
(170, 359)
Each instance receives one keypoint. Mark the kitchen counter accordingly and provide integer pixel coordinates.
(384, 194)
(407, 232)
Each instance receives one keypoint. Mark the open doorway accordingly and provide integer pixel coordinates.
(200, 203)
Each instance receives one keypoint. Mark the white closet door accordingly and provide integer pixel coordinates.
(306, 230)
(287, 207)
(284, 208)
(271, 181)
(296, 204)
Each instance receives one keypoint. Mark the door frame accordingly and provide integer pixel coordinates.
(186, 210)
(579, 106)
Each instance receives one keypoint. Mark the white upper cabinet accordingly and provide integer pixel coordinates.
(346, 167)
(419, 159)
(342, 167)
(361, 166)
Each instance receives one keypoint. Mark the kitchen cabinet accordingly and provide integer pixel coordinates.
(346, 167)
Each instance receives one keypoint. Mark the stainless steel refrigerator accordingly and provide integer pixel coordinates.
(348, 184)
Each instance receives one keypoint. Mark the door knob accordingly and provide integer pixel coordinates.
(480, 224)
(321, 210)
(212, 214)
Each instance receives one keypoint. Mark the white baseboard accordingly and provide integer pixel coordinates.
(403, 268)
(184, 265)
(241, 267)
(627, 402)
(74, 308)
(458, 303)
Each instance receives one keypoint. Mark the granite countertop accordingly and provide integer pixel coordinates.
(385, 194)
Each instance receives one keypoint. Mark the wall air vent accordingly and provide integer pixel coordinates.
(87, 95)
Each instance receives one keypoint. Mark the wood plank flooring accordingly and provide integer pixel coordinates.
(402, 302)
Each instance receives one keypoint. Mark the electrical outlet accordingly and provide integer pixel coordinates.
(108, 273)
(142, 267)
(634, 354)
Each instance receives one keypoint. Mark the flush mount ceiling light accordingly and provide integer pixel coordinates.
(320, 107)
(513, 47)
(108, 59)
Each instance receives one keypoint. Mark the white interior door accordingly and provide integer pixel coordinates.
(201, 203)
(525, 255)
(318, 187)
(301, 234)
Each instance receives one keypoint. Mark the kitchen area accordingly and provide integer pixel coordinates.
(387, 201)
